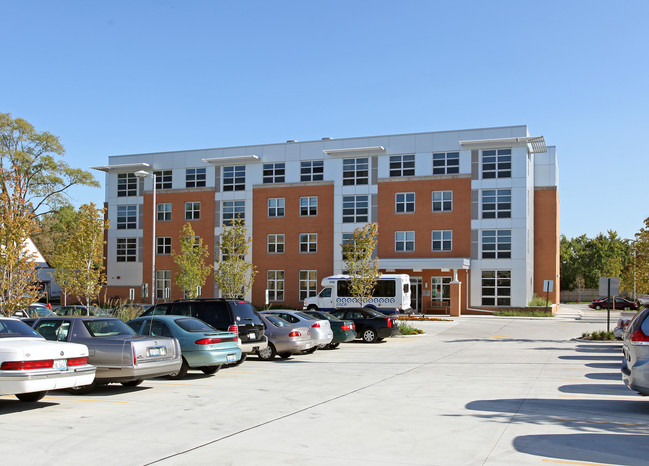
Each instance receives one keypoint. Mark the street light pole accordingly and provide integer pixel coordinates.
(142, 174)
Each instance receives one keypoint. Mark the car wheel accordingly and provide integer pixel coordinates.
(243, 358)
(369, 335)
(209, 370)
(312, 307)
(132, 383)
(267, 353)
(180, 373)
(311, 350)
(31, 397)
(598, 307)
(284, 355)
(334, 345)
(82, 390)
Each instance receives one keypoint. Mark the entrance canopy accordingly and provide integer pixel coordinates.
(425, 263)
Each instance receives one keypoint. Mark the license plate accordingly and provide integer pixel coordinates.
(60, 364)
(232, 358)
(156, 351)
(252, 335)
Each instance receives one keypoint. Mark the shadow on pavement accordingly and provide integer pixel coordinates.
(616, 376)
(605, 365)
(12, 404)
(594, 357)
(598, 389)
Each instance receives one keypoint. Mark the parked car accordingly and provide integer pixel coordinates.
(202, 346)
(619, 303)
(81, 310)
(119, 354)
(34, 311)
(635, 365)
(321, 332)
(621, 327)
(30, 365)
(284, 338)
(232, 315)
(344, 330)
(371, 325)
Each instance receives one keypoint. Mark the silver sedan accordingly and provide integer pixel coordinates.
(321, 332)
(635, 365)
(284, 338)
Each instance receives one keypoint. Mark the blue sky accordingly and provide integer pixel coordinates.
(117, 77)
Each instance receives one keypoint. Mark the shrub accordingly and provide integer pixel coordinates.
(601, 335)
(538, 301)
(523, 313)
(406, 329)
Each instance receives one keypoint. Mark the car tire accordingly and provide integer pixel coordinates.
(284, 355)
(132, 383)
(209, 370)
(334, 345)
(370, 335)
(312, 307)
(243, 358)
(31, 397)
(267, 353)
(180, 373)
(598, 307)
(82, 390)
(311, 350)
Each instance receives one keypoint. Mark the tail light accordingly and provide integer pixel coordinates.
(233, 328)
(294, 333)
(78, 361)
(346, 327)
(389, 323)
(639, 335)
(134, 358)
(316, 325)
(208, 341)
(26, 365)
(354, 326)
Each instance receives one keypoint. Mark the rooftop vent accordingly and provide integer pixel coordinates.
(291, 140)
(327, 139)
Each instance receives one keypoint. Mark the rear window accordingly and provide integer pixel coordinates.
(246, 312)
(194, 325)
(15, 328)
(216, 314)
(107, 327)
(307, 316)
(277, 321)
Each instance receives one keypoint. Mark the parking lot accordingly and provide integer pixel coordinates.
(472, 390)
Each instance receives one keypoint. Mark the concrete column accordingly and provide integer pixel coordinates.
(456, 296)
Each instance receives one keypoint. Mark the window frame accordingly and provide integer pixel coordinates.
(499, 199)
(195, 177)
(312, 170)
(311, 207)
(163, 179)
(496, 164)
(126, 250)
(444, 240)
(163, 246)
(356, 171)
(499, 242)
(442, 202)
(127, 187)
(407, 205)
(496, 287)
(278, 209)
(234, 181)
(234, 209)
(353, 205)
(307, 284)
(308, 243)
(128, 219)
(275, 241)
(191, 210)
(406, 239)
(274, 172)
(275, 284)
(402, 165)
(164, 212)
(446, 163)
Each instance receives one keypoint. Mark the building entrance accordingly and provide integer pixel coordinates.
(415, 294)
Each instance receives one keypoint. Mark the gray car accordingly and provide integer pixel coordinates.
(119, 354)
(321, 332)
(635, 365)
(284, 338)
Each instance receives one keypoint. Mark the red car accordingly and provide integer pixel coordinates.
(620, 303)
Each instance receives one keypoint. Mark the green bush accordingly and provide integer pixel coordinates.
(406, 329)
(601, 335)
(523, 313)
(538, 301)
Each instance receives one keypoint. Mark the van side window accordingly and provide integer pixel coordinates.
(186, 309)
(325, 293)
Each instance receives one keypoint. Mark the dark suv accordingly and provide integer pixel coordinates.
(233, 315)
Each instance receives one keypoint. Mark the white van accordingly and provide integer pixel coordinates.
(391, 294)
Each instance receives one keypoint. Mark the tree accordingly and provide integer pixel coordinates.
(234, 275)
(637, 269)
(361, 263)
(18, 279)
(192, 269)
(52, 228)
(35, 158)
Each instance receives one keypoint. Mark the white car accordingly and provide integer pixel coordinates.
(31, 365)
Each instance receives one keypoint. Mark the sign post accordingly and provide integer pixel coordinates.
(609, 286)
(547, 287)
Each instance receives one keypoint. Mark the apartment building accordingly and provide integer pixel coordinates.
(471, 215)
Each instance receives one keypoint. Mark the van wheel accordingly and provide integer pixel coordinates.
(312, 307)
(369, 335)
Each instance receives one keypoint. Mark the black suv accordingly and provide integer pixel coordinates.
(233, 315)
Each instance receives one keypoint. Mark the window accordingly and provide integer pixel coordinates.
(234, 178)
(356, 171)
(497, 203)
(126, 184)
(312, 170)
(355, 209)
(308, 283)
(404, 203)
(497, 163)
(164, 212)
(404, 241)
(446, 163)
(275, 244)
(192, 210)
(309, 206)
(442, 201)
(194, 177)
(274, 172)
(126, 217)
(275, 285)
(163, 245)
(440, 289)
(442, 240)
(496, 244)
(163, 284)
(496, 287)
(308, 242)
(276, 207)
(347, 237)
(126, 249)
(163, 179)
(402, 165)
(233, 210)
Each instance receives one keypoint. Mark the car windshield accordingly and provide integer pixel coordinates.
(189, 324)
(374, 313)
(306, 316)
(277, 321)
(15, 328)
(107, 327)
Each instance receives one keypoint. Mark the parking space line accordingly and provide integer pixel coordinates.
(584, 463)
(498, 336)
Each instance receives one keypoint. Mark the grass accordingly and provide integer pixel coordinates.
(406, 329)
(523, 313)
(602, 335)
(538, 301)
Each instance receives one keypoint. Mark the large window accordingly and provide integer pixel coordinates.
(192, 210)
(308, 283)
(234, 178)
(497, 203)
(164, 212)
(442, 240)
(309, 206)
(440, 289)
(275, 244)
(496, 244)
(404, 203)
(126, 250)
(126, 217)
(496, 287)
(497, 163)
(233, 210)
(356, 171)
(274, 172)
(275, 285)
(126, 184)
(442, 201)
(163, 245)
(276, 207)
(163, 179)
(308, 242)
(163, 284)
(355, 209)
(402, 165)
(446, 163)
(194, 177)
(404, 241)
(312, 170)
